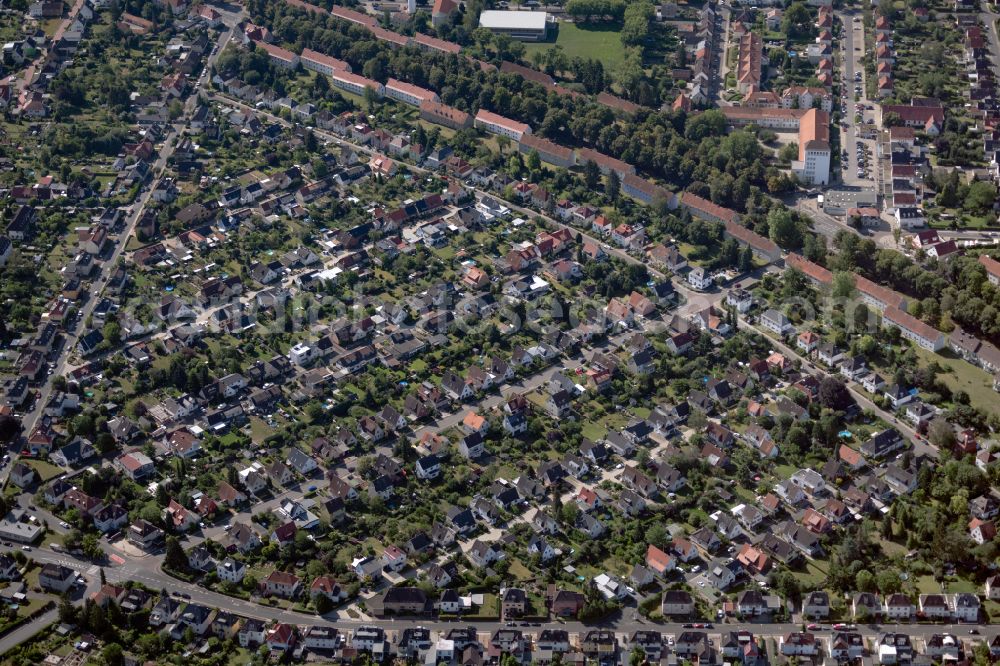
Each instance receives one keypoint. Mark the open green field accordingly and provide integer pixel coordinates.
(600, 41)
(45, 470)
(963, 376)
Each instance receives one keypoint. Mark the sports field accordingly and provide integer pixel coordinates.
(599, 41)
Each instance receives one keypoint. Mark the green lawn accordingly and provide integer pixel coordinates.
(600, 41)
(259, 430)
(962, 376)
(927, 585)
(45, 470)
(593, 431)
(489, 610)
(519, 571)
(814, 576)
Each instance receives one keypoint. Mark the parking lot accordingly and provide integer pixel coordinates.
(858, 158)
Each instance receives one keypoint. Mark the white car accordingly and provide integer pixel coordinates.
(63, 524)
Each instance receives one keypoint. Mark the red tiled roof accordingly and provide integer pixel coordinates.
(815, 272)
(496, 119)
(915, 114)
(605, 161)
(353, 16)
(410, 89)
(618, 103)
(334, 63)
(276, 51)
(527, 73)
(991, 265)
(751, 238)
(436, 44)
(907, 321)
(696, 203)
(544, 146)
(882, 294)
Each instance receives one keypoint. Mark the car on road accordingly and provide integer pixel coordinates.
(26, 549)
(63, 524)
(974, 632)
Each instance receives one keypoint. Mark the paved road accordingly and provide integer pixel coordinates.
(24, 633)
(854, 36)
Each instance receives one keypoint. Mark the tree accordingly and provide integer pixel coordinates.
(637, 657)
(613, 186)
(787, 586)
(789, 152)
(746, 259)
(534, 161)
(833, 393)
(112, 654)
(658, 536)
(980, 197)
(888, 581)
(322, 603)
(371, 99)
(784, 229)
(697, 420)
(843, 285)
(67, 611)
(797, 21)
(865, 581)
(941, 434)
(112, 332)
(891, 119)
(887, 527)
(569, 514)
(91, 547)
(174, 557)
(591, 175)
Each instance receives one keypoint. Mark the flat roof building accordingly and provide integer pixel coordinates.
(524, 26)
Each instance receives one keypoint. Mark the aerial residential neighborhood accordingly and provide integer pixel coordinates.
(477, 333)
